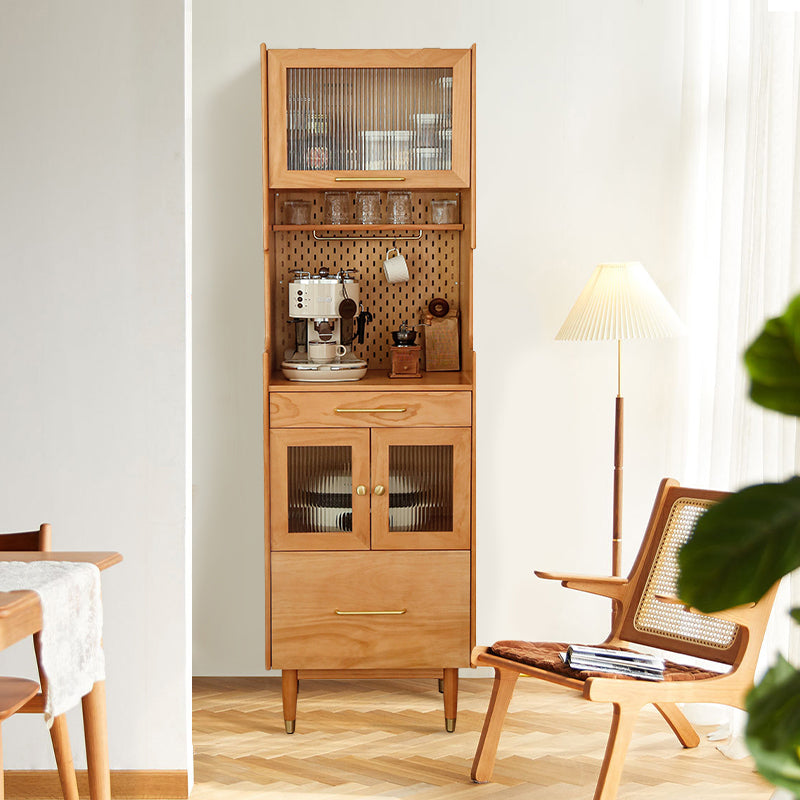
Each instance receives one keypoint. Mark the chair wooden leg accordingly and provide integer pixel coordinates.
(450, 691)
(483, 765)
(59, 735)
(681, 726)
(289, 683)
(2, 771)
(617, 746)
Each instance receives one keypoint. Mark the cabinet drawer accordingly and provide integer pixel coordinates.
(369, 409)
(319, 600)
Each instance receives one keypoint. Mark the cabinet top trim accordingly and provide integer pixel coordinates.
(426, 57)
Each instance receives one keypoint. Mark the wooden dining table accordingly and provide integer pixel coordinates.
(21, 616)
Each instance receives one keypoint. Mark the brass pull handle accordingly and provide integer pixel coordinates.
(370, 410)
(361, 490)
(371, 178)
(379, 490)
(369, 613)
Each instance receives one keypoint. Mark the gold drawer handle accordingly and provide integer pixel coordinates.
(371, 178)
(369, 613)
(369, 410)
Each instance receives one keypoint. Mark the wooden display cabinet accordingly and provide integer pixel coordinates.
(370, 485)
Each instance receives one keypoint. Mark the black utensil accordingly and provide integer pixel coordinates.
(361, 324)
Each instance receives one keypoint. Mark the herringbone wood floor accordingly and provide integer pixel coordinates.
(386, 739)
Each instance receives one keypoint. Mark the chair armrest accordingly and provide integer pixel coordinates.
(606, 586)
(741, 615)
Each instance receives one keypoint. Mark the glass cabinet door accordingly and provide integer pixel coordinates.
(344, 118)
(319, 497)
(421, 488)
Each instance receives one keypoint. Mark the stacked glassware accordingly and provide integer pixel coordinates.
(335, 123)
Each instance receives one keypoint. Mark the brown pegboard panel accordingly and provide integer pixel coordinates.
(433, 263)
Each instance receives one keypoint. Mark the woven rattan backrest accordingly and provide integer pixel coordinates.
(667, 625)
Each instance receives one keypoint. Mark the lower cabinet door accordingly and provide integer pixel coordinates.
(370, 610)
(421, 493)
(318, 497)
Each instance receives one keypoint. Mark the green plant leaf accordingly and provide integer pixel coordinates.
(741, 546)
(773, 361)
(745, 543)
(773, 725)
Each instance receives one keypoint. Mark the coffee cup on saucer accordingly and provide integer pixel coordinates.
(325, 352)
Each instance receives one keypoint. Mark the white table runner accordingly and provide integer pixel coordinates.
(72, 624)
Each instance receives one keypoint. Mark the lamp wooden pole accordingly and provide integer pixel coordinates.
(616, 530)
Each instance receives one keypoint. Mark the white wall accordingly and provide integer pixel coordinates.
(578, 137)
(92, 324)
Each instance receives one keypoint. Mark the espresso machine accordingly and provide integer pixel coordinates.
(323, 309)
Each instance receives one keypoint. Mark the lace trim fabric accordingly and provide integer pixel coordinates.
(72, 624)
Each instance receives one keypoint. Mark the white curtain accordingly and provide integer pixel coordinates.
(741, 220)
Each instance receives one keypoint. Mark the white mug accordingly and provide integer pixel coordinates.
(395, 267)
(325, 352)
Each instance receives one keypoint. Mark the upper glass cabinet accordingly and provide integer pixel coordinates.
(364, 117)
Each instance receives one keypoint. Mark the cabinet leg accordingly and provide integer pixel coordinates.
(289, 684)
(450, 685)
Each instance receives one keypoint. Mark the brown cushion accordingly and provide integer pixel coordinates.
(545, 655)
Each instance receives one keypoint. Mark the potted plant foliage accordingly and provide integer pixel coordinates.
(750, 540)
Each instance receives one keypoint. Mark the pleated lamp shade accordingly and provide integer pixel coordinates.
(620, 301)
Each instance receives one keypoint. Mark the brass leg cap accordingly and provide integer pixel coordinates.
(449, 725)
(289, 725)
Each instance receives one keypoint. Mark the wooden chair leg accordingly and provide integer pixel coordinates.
(681, 726)
(2, 770)
(450, 691)
(617, 746)
(59, 735)
(483, 765)
(289, 683)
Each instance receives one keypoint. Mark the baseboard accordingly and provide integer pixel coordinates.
(126, 784)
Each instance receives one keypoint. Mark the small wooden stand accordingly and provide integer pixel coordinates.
(405, 361)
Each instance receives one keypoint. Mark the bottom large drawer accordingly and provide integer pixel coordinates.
(370, 610)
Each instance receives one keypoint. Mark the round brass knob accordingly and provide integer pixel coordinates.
(361, 490)
(379, 490)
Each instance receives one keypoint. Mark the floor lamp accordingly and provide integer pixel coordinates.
(620, 301)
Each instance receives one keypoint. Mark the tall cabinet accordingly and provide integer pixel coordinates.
(370, 484)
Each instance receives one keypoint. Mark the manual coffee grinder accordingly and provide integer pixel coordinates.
(405, 354)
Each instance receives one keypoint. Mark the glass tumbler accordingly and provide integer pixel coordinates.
(336, 208)
(297, 212)
(398, 207)
(444, 212)
(368, 208)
